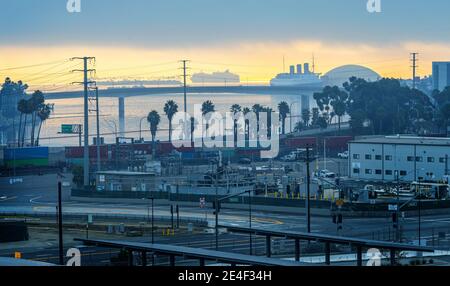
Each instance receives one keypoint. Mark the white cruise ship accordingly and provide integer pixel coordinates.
(299, 78)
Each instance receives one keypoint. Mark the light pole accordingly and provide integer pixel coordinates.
(140, 128)
(217, 210)
(290, 117)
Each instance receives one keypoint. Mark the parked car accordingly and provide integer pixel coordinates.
(343, 155)
(245, 161)
(326, 174)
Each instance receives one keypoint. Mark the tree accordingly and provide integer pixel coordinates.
(306, 117)
(10, 94)
(246, 111)
(153, 119)
(43, 114)
(386, 107)
(235, 109)
(170, 109)
(207, 108)
(28, 110)
(257, 109)
(36, 102)
(22, 108)
(284, 110)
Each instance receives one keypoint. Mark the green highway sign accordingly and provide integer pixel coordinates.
(70, 128)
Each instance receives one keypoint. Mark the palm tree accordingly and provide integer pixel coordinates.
(43, 114)
(257, 109)
(21, 107)
(306, 117)
(235, 109)
(207, 108)
(36, 101)
(170, 109)
(153, 119)
(284, 110)
(246, 111)
(28, 110)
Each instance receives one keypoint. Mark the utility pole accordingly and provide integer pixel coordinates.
(99, 165)
(60, 226)
(414, 66)
(308, 190)
(184, 62)
(85, 84)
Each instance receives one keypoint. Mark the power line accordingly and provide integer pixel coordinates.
(32, 66)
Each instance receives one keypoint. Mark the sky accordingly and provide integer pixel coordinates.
(147, 38)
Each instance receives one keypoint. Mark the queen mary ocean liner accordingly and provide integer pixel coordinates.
(300, 78)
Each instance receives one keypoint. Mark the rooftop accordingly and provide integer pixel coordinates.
(404, 140)
(125, 173)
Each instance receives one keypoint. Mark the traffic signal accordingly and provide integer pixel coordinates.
(216, 207)
(334, 219)
(395, 220)
(339, 219)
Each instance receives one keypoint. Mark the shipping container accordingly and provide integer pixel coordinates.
(26, 157)
(26, 153)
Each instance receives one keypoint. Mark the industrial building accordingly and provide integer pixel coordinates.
(441, 75)
(399, 157)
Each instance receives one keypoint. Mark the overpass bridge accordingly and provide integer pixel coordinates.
(130, 92)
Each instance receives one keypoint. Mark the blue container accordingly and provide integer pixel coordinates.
(26, 153)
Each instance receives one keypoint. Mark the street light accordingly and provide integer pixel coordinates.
(290, 117)
(140, 128)
(148, 215)
(217, 209)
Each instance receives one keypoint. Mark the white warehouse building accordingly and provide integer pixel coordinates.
(409, 158)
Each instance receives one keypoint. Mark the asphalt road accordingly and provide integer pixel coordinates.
(38, 194)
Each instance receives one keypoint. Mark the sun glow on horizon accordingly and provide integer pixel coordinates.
(254, 62)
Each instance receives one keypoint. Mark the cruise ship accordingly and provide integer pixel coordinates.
(300, 78)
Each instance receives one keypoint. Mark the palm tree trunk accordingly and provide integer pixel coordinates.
(39, 133)
(33, 127)
(339, 124)
(20, 125)
(24, 130)
(170, 131)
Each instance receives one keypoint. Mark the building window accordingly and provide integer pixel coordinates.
(430, 159)
(403, 173)
(356, 171)
(368, 171)
(441, 160)
(410, 158)
(388, 172)
(378, 157)
(356, 156)
(388, 158)
(378, 172)
(368, 157)
(419, 159)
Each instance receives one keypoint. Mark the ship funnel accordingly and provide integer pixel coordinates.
(306, 67)
(292, 69)
(299, 69)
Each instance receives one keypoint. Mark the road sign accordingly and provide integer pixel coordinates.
(17, 255)
(340, 203)
(71, 128)
(392, 208)
(202, 203)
